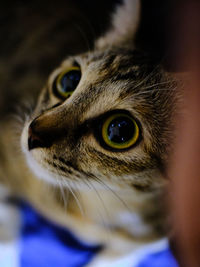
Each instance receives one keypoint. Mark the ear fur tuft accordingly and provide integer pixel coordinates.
(124, 25)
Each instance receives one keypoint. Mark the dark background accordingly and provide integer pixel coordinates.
(35, 36)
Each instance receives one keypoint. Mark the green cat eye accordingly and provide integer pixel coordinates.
(66, 82)
(120, 131)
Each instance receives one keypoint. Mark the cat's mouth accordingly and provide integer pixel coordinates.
(49, 169)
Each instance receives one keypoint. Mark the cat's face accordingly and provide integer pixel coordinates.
(102, 117)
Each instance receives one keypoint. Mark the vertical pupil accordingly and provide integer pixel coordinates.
(70, 80)
(121, 130)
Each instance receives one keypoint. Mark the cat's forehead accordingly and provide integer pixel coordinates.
(116, 67)
(115, 60)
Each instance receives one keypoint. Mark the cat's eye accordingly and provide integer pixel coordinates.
(66, 82)
(120, 131)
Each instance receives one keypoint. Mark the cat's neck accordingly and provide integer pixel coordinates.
(117, 210)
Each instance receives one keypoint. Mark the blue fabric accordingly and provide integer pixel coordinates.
(159, 259)
(44, 244)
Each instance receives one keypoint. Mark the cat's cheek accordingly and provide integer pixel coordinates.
(37, 169)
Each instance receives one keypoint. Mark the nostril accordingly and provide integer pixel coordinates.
(36, 140)
(34, 143)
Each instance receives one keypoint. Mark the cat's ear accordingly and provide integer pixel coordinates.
(124, 24)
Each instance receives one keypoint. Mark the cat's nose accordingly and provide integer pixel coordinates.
(37, 139)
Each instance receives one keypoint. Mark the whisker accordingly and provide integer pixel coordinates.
(145, 79)
(84, 37)
(157, 84)
(107, 187)
(91, 186)
(101, 200)
(66, 184)
(99, 197)
(62, 193)
(76, 198)
(153, 91)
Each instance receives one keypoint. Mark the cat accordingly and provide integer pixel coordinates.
(97, 143)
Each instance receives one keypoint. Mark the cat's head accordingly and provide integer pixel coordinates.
(103, 116)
